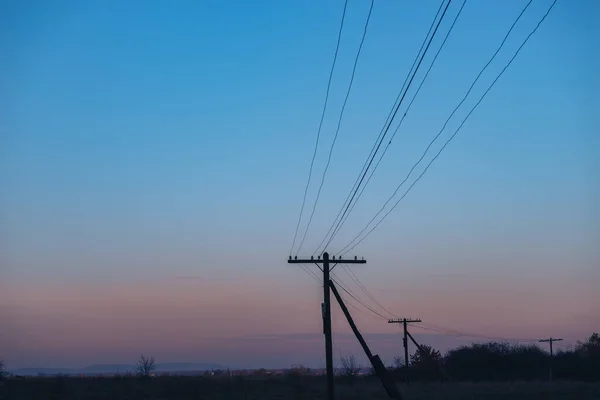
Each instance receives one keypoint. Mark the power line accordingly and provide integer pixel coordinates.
(312, 162)
(339, 123)
(445, 123)
(383, 128)
(364, 311)
(355, 278)
(310, 272)
(390, 122)
(452, 332)
(405, 113)
(356, 298)
(347, 248)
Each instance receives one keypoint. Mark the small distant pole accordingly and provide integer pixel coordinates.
(550, 341)
(405, 322)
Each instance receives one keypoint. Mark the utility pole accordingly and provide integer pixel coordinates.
(326, 307)
(550, 340)
(404, 322)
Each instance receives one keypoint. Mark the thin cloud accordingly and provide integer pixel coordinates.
(202, 278)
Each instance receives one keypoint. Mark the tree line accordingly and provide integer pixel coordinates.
(493, 361)
(503, 362)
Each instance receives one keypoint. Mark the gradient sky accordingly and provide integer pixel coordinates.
(154, 155)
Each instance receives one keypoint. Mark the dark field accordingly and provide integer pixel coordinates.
(198, 388)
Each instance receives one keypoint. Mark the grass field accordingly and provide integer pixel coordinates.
(198, 388)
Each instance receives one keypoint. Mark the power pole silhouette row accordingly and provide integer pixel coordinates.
(550, 341)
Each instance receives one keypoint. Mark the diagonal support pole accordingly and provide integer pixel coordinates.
(439, 367)
(388, 383)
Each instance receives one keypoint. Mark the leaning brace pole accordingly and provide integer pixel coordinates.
(424, 353)
(388, 383)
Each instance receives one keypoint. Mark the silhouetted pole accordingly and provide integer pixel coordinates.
(550, 340)
(327, 309)
(357, 333)
(327, 326)
(380, 370)
(404, 322)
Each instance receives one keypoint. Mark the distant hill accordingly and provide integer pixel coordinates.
(37, 371)
(117, 368)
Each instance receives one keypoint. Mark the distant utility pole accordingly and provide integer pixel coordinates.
(405, 322)
(326, 307)
(550, 340)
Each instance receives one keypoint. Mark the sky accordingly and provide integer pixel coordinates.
(154, 155)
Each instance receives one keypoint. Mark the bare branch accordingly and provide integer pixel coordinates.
(145, 366)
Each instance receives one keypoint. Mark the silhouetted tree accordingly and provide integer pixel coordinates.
(589, 358)
(424, 356)
(496, 361)
(505, 362)
(3, 372)
(591, 347)
(299, 370)
(425, 363)
(145, 366)
(260, 372)
(350, 366)
(398, 362)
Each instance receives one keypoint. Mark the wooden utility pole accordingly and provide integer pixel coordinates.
(550, 340)
(327, 307)
(404, 322)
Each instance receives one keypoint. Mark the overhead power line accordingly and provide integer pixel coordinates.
(405, 113)
(309, 271)
(353, 243)
(312, 162)
(389, 124)
(336, 280)
(452, 332)
(366, 291)
(351, 303)
(339, 123)
(382, 129)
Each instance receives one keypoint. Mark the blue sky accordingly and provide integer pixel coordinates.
(146, 141)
